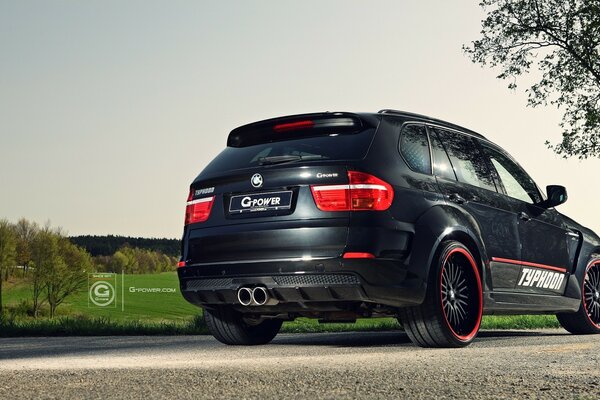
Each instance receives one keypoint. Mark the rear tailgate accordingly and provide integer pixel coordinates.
(260, 186)
(240, 227)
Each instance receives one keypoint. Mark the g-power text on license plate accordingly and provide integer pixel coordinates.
(255, 202)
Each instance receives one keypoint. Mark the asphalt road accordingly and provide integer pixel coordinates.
(534, 364)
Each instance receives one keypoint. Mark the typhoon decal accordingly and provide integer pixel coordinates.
(541, 279)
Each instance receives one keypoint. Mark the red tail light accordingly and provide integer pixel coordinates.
(198, 210)
(364, 192)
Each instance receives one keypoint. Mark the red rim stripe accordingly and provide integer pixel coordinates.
(529, 264)
(469, 257)
(590, 265)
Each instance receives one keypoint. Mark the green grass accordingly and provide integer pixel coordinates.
(170, 314)
(304, 325)
(82, 326)
(520, 322)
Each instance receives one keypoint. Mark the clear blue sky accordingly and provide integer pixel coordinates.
(108, 109)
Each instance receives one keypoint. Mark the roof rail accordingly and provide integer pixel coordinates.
(442, 122)
(391, 111)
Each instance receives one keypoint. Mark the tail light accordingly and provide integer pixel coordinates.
(198, 210)
(364, 192)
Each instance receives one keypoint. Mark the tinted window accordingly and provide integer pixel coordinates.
(467, 161)
(441, 163)
(415, 148)
(516, 182)
(330, 147)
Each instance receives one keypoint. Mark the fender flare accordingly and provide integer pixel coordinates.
(442, 223)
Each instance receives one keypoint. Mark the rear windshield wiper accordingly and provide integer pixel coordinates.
(286, 159)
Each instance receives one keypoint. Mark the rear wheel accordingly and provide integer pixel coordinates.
(451, 314)
(230, 327)
(587, 319)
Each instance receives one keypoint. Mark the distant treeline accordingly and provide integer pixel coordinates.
(108, 245)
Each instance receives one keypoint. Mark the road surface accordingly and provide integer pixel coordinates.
(507, 364)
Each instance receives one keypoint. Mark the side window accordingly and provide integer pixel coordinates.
(414, 147)
(517, 183)
(441, 163)
(468, 163)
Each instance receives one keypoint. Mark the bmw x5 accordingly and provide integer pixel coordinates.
(339, 216)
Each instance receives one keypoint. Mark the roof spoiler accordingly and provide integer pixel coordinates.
(295, 126)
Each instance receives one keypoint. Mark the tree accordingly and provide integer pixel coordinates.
(25, 232)
(67, 275)
(44, 255)
(8, 252)
(562, 39)
(127, 260)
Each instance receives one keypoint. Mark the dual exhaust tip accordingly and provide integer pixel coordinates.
(258, 296)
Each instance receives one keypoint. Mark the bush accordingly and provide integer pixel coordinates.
(23, 309)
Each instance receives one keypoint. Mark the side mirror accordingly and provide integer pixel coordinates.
(557, 195)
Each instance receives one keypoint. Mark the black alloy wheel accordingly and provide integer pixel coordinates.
(459, 288)
(587, 319)
(450, 315)
(591, 294)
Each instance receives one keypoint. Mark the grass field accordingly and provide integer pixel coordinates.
(166, 312)
(157, 307)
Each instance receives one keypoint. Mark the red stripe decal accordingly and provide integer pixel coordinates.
(528, 264)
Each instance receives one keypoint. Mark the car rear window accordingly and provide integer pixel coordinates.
(330, 147)
(414, 146)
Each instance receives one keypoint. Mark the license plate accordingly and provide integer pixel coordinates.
(256, 202)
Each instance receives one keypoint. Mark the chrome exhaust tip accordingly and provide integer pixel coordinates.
(245, 296)
(260, 296)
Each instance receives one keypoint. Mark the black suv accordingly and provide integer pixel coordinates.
(339, 216)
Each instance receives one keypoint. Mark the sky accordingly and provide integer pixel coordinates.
(109, 109)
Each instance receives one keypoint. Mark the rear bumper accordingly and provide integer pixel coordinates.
(304, 284)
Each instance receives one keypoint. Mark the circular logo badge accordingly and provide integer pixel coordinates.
(102, 294)
(257, 180)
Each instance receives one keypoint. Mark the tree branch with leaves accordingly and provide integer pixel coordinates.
(561, 40)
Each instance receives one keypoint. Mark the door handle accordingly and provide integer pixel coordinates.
(457, 198)
(524, 217)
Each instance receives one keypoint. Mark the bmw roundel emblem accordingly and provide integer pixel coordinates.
(257, 180)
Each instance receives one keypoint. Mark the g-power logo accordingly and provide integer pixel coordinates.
(102, 290)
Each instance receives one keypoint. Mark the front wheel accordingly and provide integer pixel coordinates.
(229, 326)
(587, 319)
(451, 314)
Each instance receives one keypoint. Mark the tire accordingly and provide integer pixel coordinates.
(229, 327)
(587, 319)
(450, 315)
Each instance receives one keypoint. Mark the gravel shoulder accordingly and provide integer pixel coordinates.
(499, 364)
